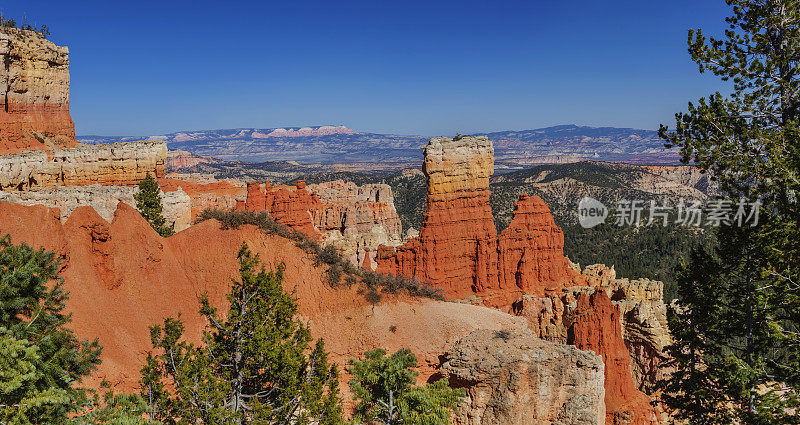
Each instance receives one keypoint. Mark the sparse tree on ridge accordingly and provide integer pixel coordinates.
(148, 202)
(737, 327)
(255, 364)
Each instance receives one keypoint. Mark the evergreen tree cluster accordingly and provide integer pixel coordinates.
(385, 391)
(41, 360)
(737, 322)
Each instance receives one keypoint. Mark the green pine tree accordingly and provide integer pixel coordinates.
(737, 325)
(148, 202)
(41, 360)
(114, 409)
(384, 391)
(255, 363)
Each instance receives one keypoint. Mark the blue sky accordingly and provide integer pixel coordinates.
(405, 66)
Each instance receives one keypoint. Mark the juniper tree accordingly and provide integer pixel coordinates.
(255, 363)
(737, 328)
(148, 202)
(41, 360)
(384, 391)
(113, 409)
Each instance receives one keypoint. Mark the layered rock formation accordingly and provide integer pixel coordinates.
(524, 270)
(34, 93)
(531, 249)
(292, 206)
(113, 164)
(104, 200)
(458, 249)
(645, 329)
(619, 319)
(356, 219)
(205, 193)
(513, 377)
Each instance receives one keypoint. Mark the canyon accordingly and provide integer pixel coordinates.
(528, 334)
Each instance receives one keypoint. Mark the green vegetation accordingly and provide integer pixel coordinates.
(383, 388)
(114, 409)
(338, 267)
(44, 30)
(41, 360)
(651, 252)
(255, 363)
(737, 328)
(148, 202)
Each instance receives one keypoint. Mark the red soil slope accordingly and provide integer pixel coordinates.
(123, 277)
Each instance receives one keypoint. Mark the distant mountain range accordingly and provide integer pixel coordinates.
(330, 145)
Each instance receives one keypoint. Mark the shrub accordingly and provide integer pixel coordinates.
(338, 266)
(384, 391)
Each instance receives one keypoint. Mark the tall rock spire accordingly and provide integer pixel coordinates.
(458, 249)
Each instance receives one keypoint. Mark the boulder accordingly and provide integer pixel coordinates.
(513, 377)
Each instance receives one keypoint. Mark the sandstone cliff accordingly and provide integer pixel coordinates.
(514, 378)
(34, 93)
(355, 219)
(205, 192)
(113, 164)
(523, 270)
(103, 199)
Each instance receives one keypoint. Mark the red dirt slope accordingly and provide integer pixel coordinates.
(123, 277)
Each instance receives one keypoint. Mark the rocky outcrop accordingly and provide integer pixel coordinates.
(622, 320)
(458, 249)
(103, 199)
(112, 164)
(644, 329)
(34, 93)
(513, 377)
(355, 219)
(595, 325)
(531, 249)
(205, 192)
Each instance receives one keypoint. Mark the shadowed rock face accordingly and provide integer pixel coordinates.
(458, 249)
(34, 93)
(513, 377)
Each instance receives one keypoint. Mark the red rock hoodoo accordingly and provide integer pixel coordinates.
(291, 206)
(458, 249)
(34, 93)
(595, 325)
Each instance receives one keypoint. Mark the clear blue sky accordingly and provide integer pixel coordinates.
(404, 66)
